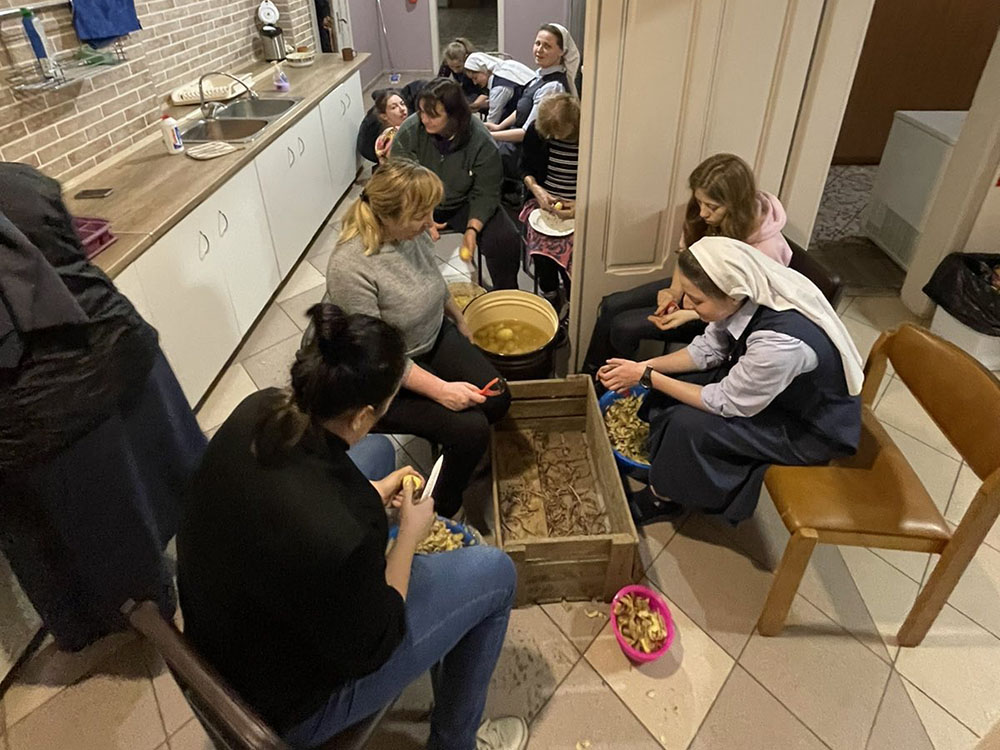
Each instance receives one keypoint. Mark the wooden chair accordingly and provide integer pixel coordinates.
(874, 498)
(228, 721)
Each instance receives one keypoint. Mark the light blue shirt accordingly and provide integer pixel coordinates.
(771, 362)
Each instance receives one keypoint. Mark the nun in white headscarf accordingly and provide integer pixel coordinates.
(504, 79)
(775, 379)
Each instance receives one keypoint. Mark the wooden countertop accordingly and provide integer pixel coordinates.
(154, 190)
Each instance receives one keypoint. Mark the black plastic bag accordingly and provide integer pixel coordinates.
(962, 286)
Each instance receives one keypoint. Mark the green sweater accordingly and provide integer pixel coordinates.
(472, 174)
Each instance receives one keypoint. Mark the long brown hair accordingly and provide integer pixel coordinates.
(728, 180)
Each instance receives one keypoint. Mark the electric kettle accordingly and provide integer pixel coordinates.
(273, 42)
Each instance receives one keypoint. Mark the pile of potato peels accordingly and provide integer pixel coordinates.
(642, 627)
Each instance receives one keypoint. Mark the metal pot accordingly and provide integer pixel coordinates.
(511, 304)
(273, 41)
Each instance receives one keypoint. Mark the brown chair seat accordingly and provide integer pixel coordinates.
(887, 497)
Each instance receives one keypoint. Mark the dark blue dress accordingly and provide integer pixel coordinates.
(716, 464)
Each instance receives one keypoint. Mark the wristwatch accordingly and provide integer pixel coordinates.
(646, 381)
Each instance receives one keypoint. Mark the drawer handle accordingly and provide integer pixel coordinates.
(223, 229)
(291, 157)
(302, 146)
(208, 246)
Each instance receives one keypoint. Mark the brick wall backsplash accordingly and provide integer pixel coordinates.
(74, 129)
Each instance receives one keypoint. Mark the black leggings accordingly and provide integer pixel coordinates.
(548, 273)
(622, 323)
(499, 241)
(463, 435)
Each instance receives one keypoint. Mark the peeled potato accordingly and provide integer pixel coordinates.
(414, 481)
(558, 206)
(465, 253)
(505, 334)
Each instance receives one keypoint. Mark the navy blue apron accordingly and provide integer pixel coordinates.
(516, 88)
(527, 100)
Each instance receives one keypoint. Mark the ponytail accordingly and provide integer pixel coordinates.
(361, 220)
(280, 429)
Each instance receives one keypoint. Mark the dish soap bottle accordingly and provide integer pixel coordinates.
(171, 135)
(281, 82)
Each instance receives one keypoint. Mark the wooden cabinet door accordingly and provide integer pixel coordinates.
(247, 252)
(184, 282)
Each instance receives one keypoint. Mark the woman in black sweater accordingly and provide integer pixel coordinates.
(284, 579)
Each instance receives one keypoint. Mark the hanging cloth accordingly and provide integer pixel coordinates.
(100, 22)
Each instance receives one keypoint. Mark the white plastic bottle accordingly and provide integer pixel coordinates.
(171, 135)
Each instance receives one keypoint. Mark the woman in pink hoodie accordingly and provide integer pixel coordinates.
(724, 201)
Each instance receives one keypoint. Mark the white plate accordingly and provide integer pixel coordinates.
(550, 224)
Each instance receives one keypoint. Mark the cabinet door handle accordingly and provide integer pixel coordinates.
(223, 228)
(302, 146)
(343, 107)
(348, 100)
(208, 245)
(291, 156)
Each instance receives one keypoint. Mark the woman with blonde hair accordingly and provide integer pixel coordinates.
(384, 266)
(453, 58)
(725, 202)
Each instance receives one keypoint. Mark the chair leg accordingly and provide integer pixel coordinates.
(786, 581)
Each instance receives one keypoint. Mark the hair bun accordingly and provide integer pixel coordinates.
(330, 323)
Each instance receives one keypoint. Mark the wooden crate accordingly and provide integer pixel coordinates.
(574, 568)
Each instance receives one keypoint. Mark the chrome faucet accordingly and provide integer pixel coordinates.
(210, 109)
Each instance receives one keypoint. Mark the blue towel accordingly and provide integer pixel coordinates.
(100, 22)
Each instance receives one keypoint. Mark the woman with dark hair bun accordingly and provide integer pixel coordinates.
(285, 583)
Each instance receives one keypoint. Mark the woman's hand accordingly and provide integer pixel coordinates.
(459, 395)
(665, 301)
(564, 209)
(415, 519)
(468, 249)
(621, 374)
(543, 196)
(492, 126)
(390, 487)
(673, 320)
(434, 230)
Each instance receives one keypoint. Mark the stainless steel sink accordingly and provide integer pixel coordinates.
(267, 109)
(233, 130)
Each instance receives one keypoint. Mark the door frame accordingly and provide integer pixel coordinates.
(432, 11)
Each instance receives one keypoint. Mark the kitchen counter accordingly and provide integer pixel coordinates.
(153, 190)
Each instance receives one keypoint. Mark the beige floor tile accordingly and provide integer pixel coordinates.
(536, 657)
(936, 471)
(813, 666)
(272, 367)
(966, 487)
(50, 671)
(191, 737)
(654, 537)
(863, 335)
(898, 724)
(302, 279)
(274, 326)
(585, 710)
(747, 717)
(978, 591)
(209, 434)
(234, 386)
(296, 307)
(882, 388)
(721, 589)
(881, 313)
(829, 586)
(900, 409)
(945, 731)
(174, 708)
(672, 695)
(958, 666)
(114, 709)
(406, 726)
(579, 621)
(321, 261)
(845, 302)
(888, 594)
(762, 536)
(325, 240)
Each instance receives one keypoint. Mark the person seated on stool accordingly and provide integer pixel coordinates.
(446, 139)
(774, 379)
(724, 201)
(384, 265)
(549, 165)
(285, 582)
(453, 58)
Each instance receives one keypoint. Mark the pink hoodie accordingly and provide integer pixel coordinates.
(768, 238)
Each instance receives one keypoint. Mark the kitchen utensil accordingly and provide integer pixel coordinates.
(656, 604)
(496, 387)
(431, 481)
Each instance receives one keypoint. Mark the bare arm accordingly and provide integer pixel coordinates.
(514, 135)
(507, 122)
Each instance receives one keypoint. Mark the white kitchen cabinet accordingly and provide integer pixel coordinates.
(128, 283)
(342, 111)
(185, 285)
(239, 221)
(294, 178)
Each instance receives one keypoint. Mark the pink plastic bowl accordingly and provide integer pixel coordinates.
(657, 604)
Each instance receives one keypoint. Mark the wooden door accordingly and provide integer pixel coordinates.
(916, 55)
(669, 84)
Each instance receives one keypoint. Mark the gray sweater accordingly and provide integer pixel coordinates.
(401, 284)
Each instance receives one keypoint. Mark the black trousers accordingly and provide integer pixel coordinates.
(549, 273)
(463, 435)
(499, 241)
(622, 324)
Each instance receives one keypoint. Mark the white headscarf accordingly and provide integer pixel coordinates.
(512, 70)
(571, 58)
(740, 270)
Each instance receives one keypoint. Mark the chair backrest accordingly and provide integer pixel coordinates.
(960, 395)
(231, 724)
(828, 282)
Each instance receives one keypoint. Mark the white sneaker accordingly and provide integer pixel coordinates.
(507, 733)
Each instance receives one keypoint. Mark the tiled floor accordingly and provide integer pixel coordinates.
(478, 25)
(834, 679)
